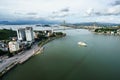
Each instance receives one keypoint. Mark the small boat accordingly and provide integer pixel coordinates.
(82, 44)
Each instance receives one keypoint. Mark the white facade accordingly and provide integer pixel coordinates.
(13, 46)
(49, 34)
(29, 34)
(36, 35)
(118, 31)
(21, 34)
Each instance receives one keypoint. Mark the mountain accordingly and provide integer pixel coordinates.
(4, 22)
(42, 21)
(96, 24)
(23, 22)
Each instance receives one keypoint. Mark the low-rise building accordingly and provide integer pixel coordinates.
(112, 32)
(36, 35)
(118, 31)
(3, 46)
(13, 46)
(48, 33)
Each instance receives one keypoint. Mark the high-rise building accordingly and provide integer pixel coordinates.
(21, 34)
(29, 34)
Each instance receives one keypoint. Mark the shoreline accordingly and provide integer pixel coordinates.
(45, 41)
(18, 59)
(26, 55)
(100, 33)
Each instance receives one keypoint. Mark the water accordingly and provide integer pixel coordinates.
(64, 59)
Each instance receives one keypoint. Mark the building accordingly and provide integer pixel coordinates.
(118, 31)
(29, 34)
(13, 46)
(21, 34)
(36, 35)
(48, 33)
(3, 47)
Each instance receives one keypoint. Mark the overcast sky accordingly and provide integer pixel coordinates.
(72, 11)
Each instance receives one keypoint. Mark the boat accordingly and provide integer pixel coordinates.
(82, 44)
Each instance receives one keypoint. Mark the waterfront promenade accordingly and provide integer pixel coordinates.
(6, 64)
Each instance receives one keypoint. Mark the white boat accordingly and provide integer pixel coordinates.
(82, 44)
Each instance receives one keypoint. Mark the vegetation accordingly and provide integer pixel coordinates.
(119, 27)
(106, 29)
(54, 36)
(6, 34)
(3, 52)
(58, 33)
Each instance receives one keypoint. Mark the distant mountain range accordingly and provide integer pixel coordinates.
(96, 24)
(27, 22)
(56, 22)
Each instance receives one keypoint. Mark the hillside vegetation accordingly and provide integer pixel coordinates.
(6, 34)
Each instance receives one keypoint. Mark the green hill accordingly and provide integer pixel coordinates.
(5, 34)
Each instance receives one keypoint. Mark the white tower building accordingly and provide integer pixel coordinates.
(21, 34)
(29, 34)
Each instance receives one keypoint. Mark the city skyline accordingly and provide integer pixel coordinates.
(73, 11)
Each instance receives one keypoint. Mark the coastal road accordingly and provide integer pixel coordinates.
(19, 57)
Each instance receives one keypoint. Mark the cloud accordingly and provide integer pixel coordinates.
(114, 10)
(60, 14)
(65, 10)
(71, 10)
(117, 2)
(18, 13)
(25, 13)
(31, 13)
(89, 12)
(6, 15)
(112, 19)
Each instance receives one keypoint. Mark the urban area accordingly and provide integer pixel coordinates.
(18, 46)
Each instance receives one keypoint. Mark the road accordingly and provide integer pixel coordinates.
(20, 57)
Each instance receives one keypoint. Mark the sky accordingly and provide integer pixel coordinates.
(72, 11)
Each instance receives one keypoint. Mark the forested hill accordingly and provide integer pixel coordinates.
(6, 34)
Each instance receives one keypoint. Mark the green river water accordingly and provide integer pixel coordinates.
(64, 59)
